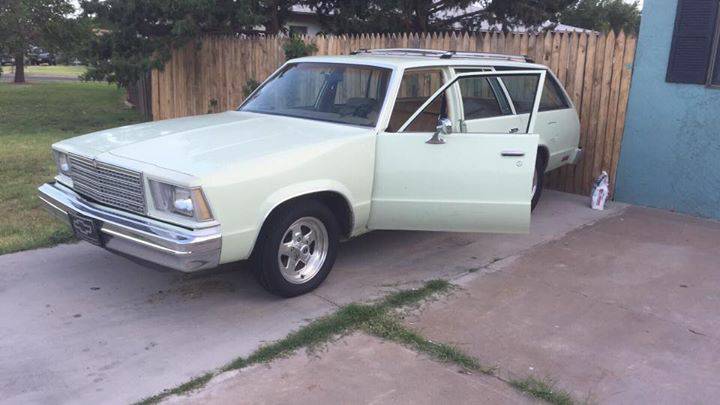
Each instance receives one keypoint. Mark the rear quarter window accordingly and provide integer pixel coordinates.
(522, 93)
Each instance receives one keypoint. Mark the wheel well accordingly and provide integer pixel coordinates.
(336, 202)
(544, 155)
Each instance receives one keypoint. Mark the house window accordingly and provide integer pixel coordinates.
(298, 30)
(694, 56)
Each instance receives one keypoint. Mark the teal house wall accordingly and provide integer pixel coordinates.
(670, 156)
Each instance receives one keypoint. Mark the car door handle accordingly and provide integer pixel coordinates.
(514, 130)
(512, 153)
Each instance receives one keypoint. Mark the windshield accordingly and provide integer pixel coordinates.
(348, 94)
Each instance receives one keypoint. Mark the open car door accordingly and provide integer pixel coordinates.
(450, 180)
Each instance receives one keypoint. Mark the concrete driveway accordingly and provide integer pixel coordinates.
(624, 311)
(82, 325)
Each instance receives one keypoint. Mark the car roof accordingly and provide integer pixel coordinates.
(397, 59)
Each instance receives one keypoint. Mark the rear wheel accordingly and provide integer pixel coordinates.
(297, 248)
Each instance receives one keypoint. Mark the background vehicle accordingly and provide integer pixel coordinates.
(38, 56)
(328, 148)
(6, 60)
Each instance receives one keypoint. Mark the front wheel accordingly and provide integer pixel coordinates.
(297, 248)
(537, 183)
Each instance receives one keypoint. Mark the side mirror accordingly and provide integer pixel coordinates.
(444, 127)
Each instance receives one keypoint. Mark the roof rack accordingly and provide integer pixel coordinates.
(442, 54)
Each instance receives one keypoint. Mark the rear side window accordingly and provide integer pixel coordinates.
(482, 97)
(522, 92)
(553, 97)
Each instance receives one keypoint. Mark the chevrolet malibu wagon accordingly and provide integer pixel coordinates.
(327, 148)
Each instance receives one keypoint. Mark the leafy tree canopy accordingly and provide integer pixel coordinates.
(603, 15)
(358, 16)
(139, 35)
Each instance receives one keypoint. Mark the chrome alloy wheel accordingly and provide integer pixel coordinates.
(303, 249)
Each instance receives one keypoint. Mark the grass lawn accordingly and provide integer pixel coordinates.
(32, 117)
(57, 70)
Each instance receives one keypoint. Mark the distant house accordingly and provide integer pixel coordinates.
(670, 155)
(303, 21)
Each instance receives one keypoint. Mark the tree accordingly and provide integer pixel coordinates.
(603, 15)
(44, 23)
(140, 35)
(275, 14)
(356, 16)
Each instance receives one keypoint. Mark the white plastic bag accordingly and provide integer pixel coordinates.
(600, 190)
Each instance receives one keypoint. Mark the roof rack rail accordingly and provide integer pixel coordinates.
(443, 54)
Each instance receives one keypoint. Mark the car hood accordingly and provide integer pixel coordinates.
(200, 144)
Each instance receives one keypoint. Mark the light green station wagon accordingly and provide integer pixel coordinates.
(327, 148)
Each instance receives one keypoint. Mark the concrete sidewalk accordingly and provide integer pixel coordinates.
(624, 311)
(82, 325)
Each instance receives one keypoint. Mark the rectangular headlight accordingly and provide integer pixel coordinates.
(62, 162)
(187, 202)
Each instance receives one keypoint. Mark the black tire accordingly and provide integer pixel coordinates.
(540, 175)
(266, 266)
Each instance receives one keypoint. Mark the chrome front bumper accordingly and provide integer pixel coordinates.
(147, 239)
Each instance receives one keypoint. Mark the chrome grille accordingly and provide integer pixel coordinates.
(108, 184)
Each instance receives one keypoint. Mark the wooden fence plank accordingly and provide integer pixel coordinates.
(609, 136)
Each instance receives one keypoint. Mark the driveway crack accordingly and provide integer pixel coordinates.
(328, 300)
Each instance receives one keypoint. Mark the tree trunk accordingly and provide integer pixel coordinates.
(421, 19)
(19, 67)
(272, 25)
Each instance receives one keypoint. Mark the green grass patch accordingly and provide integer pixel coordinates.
(318, 332)
(347, 319)
(388, 327)
(57, 71)
(543, 390)
(32, 117)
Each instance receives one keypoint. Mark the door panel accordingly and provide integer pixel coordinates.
(470, 182)
(463, 185)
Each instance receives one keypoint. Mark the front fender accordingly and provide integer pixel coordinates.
(298, 190)
(238, 245)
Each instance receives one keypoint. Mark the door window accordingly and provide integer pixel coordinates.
(522, 93)
(482, 97)
(417, 85)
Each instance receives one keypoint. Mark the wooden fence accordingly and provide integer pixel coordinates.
(595, 69)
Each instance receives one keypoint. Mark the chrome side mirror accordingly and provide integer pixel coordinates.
(444, 127)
